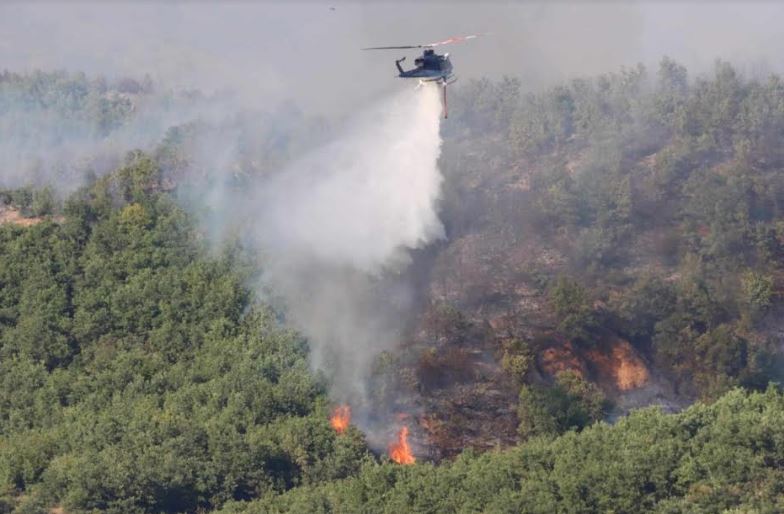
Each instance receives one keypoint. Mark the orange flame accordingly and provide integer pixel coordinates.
(341, 418)
(400, 451)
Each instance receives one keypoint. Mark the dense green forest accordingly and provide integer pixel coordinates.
(726, 457)
(140, 373)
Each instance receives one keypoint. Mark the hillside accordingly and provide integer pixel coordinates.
(611, 243)
(627, 228)
(137, 373)
(706, 459)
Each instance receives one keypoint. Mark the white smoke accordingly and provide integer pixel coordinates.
(336, 228)
(49, 141)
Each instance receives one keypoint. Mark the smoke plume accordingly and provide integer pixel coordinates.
(336, 228)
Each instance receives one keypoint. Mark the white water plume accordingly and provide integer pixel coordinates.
(336, 228)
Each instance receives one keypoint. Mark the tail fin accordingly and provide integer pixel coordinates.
(399, 67)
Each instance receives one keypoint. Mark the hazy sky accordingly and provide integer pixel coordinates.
(309, 52)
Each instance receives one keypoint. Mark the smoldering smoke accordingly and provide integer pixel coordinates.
(47, 144)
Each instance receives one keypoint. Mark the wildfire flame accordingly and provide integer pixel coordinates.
(341, 418)
(400, 451)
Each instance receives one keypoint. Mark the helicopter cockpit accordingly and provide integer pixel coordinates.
(428, 60)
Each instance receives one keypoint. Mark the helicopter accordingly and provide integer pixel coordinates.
(430, 66)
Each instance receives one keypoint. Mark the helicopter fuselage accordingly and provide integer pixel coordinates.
(430, 66)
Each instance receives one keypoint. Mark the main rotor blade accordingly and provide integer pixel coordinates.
(394, 47)
(455, 39)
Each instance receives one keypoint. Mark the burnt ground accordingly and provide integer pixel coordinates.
(484, 289)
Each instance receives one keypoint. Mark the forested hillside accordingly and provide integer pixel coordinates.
(722, 458)
(612, 243)
(137, 373)
(624, 231)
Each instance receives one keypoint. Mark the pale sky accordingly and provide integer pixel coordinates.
(310, 53)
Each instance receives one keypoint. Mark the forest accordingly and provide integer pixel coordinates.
(607, 237)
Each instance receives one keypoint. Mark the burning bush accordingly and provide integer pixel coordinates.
(399, 450)
(341, 418)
